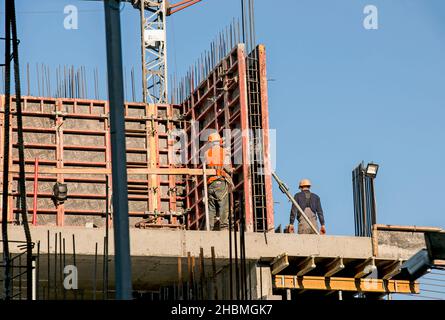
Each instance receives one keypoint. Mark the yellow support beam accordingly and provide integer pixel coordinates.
(345, 284)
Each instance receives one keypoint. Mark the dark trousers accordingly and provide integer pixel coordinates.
(219, 204)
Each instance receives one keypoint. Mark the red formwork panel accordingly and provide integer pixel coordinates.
(75, 133)
(221, 103)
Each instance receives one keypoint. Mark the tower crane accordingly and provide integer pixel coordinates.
(154, 45)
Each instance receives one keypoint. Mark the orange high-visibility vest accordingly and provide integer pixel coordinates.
(215, 160)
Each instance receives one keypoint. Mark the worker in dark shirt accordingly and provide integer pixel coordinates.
(311, 206)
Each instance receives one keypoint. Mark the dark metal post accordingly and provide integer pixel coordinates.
(231, 226)
(118, 151)
(107, 229)
(38, 271)
(374, 205)
(5, 207)
(215, 287)
(95, 274)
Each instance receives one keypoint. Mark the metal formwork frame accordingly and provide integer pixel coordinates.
(221, 102)
(64, 133)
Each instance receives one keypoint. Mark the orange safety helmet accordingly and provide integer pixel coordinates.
(305, 183)
(214, 137)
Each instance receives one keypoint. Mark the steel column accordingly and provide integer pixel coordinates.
(118, 151)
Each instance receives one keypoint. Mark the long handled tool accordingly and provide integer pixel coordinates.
(285, 189)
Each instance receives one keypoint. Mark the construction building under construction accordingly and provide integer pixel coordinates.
(69, 195)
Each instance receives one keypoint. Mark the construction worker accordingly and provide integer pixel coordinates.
(311, 205)
(219, 185)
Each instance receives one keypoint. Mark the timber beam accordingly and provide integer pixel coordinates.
(365, 268)
(385, 227)
(439, 263)
(345, 284)
(306, 266)
(334, 267)
(392, 270)
(279, 263)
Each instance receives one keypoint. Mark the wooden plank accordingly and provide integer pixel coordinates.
(345, 284)
(375, 240)
(102, 171)
(262, 63)
(408, 228)
(60, 217)
(152, 153)
(439, 263)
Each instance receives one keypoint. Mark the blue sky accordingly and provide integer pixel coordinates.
(342, 94)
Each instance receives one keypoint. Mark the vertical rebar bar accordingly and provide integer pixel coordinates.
(64, 264)
(49, 264)
(95, 274)
(104, 263)
(231, 226)
(215, 286)
(107, 232)
(27, 78)
(179, 278)
(55, 266)
(20, 277)
(201, 273)
(38, 271)
(60, 260)
(74, 261)
(6, 155)
(190, 276)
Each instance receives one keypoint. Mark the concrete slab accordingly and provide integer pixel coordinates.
(399, 245)
(155, 254)
(177, 243)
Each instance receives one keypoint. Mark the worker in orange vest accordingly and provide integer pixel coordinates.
(219, 185)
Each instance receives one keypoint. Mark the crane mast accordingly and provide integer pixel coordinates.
(153, 15)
